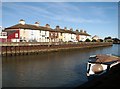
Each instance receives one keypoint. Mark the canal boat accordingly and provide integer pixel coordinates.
(101, 63)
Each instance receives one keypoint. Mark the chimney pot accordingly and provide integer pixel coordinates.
(81, 30)
(77, 30)
(57, 27)
(37, 23)
(65, 28)
(71, 29)
(47, 25)
(22, 22)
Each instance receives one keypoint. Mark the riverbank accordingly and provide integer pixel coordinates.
(116, 43)
(13, 49)
(111, 79)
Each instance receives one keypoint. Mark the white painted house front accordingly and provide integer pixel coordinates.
(44, 36)
(3, 36)
(37, 33)
(69, 35)
(95, 37)
(30, 33)
(83, 36)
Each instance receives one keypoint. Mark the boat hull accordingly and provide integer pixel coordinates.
(96, 67)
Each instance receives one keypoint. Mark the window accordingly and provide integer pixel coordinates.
(43, 35)
(24, 31)
(3, 34)
(55, 34)
(16, 35)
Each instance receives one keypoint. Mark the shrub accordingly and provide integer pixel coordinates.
(87, 40)
(94, 40)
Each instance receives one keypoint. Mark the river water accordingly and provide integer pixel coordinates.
(55, 69)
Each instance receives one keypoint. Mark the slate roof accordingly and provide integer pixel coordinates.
(82, 33)
(28, 26)
(86, 34)
(33, 27)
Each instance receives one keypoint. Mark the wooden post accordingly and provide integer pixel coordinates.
(19, 49)
(6, 50)
(11, 50)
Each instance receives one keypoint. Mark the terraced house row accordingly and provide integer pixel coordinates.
(23, 32)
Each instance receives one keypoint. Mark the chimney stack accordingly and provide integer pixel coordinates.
(47, 25)
(81, 30)
(71, 29)
(22, 22)
(65, 28)
(37, 23)
(84, 31)
(77, 30)
(57, 27)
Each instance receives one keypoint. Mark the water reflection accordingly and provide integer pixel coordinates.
(65, 68)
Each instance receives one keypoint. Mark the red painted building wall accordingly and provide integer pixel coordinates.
(13, 35)
(3, 40)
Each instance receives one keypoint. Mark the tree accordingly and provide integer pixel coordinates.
(116, 40)
(108, 39)
(94, 40)
(101, 40)
(87, 40)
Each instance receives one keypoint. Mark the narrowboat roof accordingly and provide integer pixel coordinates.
(104, 59)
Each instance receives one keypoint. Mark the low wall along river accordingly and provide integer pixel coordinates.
(23, 48)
